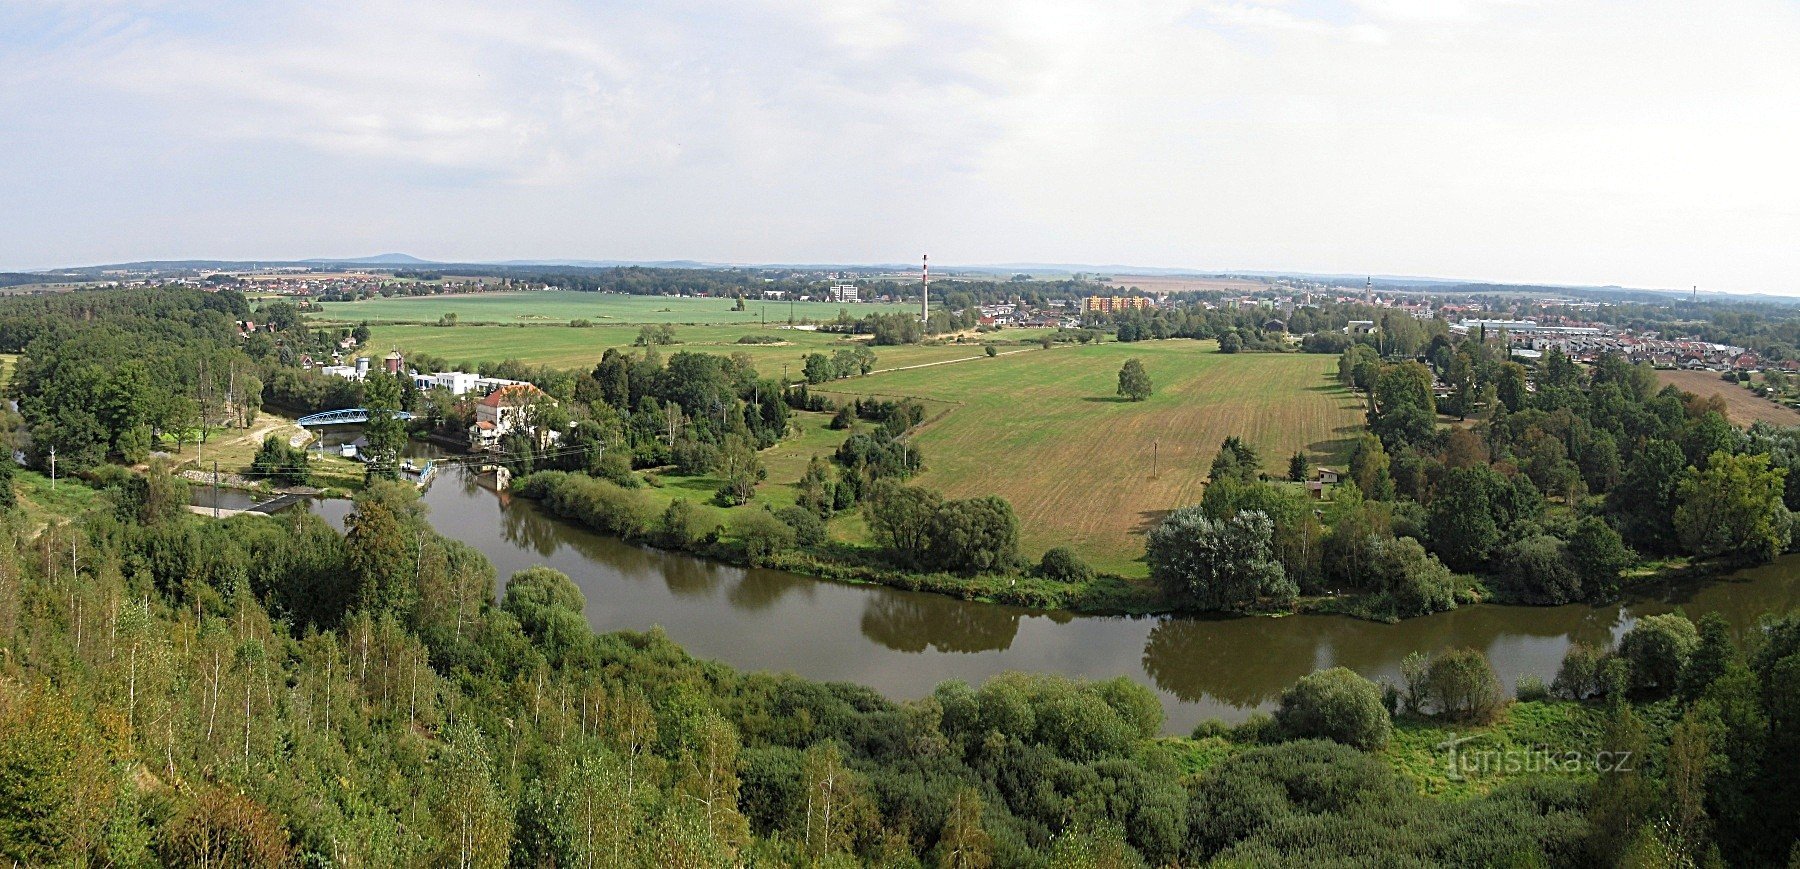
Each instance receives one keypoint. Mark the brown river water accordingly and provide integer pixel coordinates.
(903, 643)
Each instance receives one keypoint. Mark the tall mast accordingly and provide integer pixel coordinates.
(925, 289)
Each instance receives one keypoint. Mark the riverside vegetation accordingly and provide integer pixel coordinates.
(1559, 483)
(267, 692)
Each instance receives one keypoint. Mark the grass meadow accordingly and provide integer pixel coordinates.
(1044, 430)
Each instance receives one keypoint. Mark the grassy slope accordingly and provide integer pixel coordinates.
(1044, 430)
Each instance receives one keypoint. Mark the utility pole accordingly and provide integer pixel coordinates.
(215, 489)
(1155, 447)
(53, 466)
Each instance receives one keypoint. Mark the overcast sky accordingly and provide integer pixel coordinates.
(1643, 143)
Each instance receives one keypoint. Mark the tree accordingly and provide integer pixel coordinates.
(469, 806)
(1221, 565)
(1134, 381)
(1230, 343)
(1335, 704)
(1658, 648)
(278, 462)
(1510, 386)
(1466, 516)
(1414, 581)
(1462, 685)
(1299, 468)
(974, 535)
(900, 518)
(963, 843)
(1733, 508)
(991, 351)
(763, 536)
(1644, 501)
(1597, 555)
(385, 433)
(1235, 461)
(1369, 468)
(383, 541)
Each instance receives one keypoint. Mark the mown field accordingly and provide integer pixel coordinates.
(1741, 405)
(1044, 430)
(561, 306)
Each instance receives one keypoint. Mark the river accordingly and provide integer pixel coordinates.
(903, 643)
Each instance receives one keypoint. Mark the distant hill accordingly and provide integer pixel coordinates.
(380, 259)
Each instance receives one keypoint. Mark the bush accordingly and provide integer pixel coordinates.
(278, 462)
(1463, 686)
(1335, 704)
(1259, 728)
(678, 523)
(1531, 689)
(763, 536)
(1416, 582)
(1211, 728)
(599, 504)
(1063, 565)
(809, 529)
(1579, 675)
(1657, 649)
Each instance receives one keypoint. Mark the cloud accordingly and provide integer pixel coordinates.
(1629, 142)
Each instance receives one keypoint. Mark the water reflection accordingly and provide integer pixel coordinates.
(915, 622)
(904, 643)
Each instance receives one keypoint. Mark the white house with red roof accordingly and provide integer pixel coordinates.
(502, 411)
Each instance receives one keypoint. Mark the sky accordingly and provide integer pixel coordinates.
(1644, 143)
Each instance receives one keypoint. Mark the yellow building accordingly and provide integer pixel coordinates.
(1110, 304)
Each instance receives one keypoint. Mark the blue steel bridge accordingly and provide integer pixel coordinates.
(344, 416)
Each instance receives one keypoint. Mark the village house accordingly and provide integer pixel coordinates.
(501, 412)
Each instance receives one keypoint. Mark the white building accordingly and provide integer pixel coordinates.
(844, 293)
(502, 411)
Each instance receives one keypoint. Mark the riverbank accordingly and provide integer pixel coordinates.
(632, 515)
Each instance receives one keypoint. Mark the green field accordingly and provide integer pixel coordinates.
(561, 306)
(564, 346)
(1044, 430)
(1041, 428)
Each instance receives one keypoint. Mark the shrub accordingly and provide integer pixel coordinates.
(1531, 689)
(1062, 564)
(763, 536)
(1657, 648)
(809, 529)
(1211, 728)
(1335, 704)
(1463, 686)
(678, 523)
(1578, 677)
(1259, 728)
(277, 461)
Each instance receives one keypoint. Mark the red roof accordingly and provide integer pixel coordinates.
(518, 393)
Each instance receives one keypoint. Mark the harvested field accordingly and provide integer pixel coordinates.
(1741, 405)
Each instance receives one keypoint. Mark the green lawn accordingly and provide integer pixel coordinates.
(1044, 430)
(561, 306)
